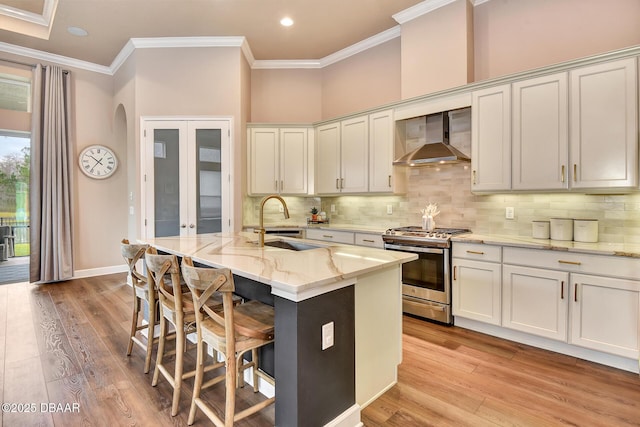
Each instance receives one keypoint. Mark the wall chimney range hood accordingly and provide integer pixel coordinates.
(436, 149)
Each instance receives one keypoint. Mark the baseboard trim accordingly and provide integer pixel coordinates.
(90, 272)
(349, 418)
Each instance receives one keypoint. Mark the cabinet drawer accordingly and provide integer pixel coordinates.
(330, 236)
(477, 251)
(373, 240)
(609, 265)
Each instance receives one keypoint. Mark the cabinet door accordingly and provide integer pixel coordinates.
(605, 313)
(604, 128)
(328, 158)
(264, 161)
(293, 161)
(491, 139)
(540, 120)
(354, 176)
(535, 301)
(381, 127)
(476, 290)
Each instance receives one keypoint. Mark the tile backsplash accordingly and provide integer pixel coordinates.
(450, 187)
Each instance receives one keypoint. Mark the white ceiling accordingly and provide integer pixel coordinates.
(321, 28)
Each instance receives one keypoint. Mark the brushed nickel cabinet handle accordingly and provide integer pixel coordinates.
(575, 172)
(328, 236)
(575, 292)
(562, 290)
(389, 180)
(337, 183)
(368, 241)
(475, 252)
(561, 261)
(276, 185)
(474, 177)
(562, 178)
(341, 182)
(455, 272)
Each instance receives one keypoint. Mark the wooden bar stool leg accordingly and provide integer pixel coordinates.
(134, 323)
(197, 386)
(230, 399)
(177, 376)
(150, 336)
(254, 359)
(161, 341)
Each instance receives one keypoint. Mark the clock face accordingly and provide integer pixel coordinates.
(98, 161)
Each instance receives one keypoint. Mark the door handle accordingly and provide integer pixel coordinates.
(575, 292)
(455, 272)
(562, 290)
(183, 225)
(192, 225)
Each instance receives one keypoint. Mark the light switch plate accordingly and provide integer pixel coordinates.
(509, 213)
(389, 209)
(327, 335)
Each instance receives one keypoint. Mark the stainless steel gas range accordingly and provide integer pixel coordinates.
(426, 282)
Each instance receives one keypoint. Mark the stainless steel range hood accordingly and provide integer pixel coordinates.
(436, 149)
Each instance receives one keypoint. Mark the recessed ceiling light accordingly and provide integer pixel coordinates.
(286, 21)
(77, 31)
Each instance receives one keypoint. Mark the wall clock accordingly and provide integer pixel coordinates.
(98, 161)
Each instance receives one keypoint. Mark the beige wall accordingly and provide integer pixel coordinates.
(101, 205)
(512, 36)
(437, 52)
(366, 80)
(286, 95)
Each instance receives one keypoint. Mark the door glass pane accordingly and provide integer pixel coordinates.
(209, 184)
(166, 156)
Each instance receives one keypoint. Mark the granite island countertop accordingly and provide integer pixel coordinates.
(600, 248)
(294, 275)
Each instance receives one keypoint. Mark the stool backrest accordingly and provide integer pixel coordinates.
(158, 267)
(132, 253)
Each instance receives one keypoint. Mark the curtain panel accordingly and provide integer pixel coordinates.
(51, 193)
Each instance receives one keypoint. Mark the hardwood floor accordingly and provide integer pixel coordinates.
(66, 343)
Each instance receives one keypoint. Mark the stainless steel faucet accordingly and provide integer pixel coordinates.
(261, 229)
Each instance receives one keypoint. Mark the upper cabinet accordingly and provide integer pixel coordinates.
(573, 130)
(341, 157)
(278, 160)
(604, 125)
(381, 170)
(540, 124)
(491, 139)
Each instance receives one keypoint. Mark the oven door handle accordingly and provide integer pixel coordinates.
(413, 249)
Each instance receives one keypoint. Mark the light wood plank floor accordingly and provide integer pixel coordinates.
(66, 344)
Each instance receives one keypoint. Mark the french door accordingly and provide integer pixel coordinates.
(186, 176)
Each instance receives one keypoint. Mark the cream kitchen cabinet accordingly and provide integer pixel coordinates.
(605, 313)
(535, 300)
(477, 282)
(540, 124)
(342, 157)
(574, 297)
(491, 139)
(369, 239)
(604, 125)
(330, 235)
(278, 160)
(383, 177)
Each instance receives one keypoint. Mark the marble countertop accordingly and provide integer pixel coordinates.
(599, 248)
(356, 228)
(295, 275)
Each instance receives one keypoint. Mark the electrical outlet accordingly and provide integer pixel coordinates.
(327, 335)
(509, 213)
(281, 208)
(333, 208)
(389, 209)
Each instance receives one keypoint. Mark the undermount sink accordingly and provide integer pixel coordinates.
(292, 246)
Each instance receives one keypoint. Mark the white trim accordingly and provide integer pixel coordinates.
(53, 58)
(618, 362)
(349, 418)
(354, 49)
(286, 64)
(420, 9)
(101, 271)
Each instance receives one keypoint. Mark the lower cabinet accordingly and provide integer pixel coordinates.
(330, 235)
(477, 282)
(605, 314)
(535, 300)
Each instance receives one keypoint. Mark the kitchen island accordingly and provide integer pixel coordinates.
(356, 290)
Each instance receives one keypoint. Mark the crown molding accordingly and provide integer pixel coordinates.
(29, 23)
(53, 58)
(420, 9)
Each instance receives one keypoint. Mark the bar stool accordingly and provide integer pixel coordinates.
(176, 307)
(233, 332)
(133, 253)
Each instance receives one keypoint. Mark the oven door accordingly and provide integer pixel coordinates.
(428, 276)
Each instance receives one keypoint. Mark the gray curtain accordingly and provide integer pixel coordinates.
(51, 204)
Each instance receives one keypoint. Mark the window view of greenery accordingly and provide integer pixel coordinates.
(14, 190)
